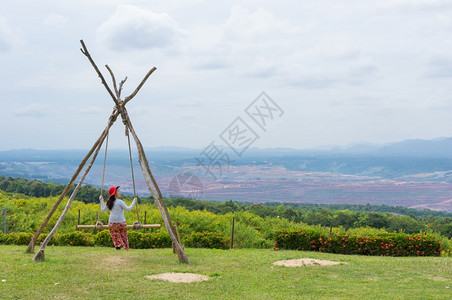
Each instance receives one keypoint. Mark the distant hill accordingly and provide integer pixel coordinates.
(440, 147)
(412, 173)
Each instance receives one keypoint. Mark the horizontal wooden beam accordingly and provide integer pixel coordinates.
(128, 226)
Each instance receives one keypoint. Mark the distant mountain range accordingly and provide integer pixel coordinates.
(411, 173)
(439, 147)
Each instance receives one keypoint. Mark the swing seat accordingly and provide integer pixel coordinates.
(136, 225)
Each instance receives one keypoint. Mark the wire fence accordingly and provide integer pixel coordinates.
(4, 219)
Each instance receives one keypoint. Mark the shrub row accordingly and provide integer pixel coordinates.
(207, 240)
(389, 244)
(137, 240)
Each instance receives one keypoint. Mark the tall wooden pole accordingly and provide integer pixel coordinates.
(34, 239)
(40, 254)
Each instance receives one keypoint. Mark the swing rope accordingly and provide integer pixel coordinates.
(99, 223)
(137, 224)
(105, 161)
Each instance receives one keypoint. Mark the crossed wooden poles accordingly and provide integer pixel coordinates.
(119, 109)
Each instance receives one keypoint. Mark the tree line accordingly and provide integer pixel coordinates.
(318, 215)
(38, 188)
(393, 219)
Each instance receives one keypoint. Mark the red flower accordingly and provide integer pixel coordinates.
(276, 248)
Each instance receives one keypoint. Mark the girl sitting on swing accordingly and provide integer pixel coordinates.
(117, 221)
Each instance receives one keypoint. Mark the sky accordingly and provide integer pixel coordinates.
(267, 74)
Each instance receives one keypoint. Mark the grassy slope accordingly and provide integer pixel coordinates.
(104, 273)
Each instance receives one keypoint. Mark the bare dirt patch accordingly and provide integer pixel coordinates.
(306, 262)
(179, 277)
(437, 278)
(113, 263)
(115, 260)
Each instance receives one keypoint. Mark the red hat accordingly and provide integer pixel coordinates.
(112, 190)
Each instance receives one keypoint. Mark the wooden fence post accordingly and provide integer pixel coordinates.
(78, 221)
(4, 221)
(232, 234)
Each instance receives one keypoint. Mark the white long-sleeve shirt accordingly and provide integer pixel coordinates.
(117, 212)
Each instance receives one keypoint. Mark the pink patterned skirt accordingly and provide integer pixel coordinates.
(118, 232)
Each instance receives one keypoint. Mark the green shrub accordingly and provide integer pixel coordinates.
(249, 237)
(137, 240)
(103, 238)
(140, 240)
(76, 238)
(390, 244)
(207, 240)
(17, 238)
(53, 242)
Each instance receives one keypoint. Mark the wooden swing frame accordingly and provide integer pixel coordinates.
(119, 109)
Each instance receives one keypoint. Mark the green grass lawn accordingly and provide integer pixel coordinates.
(105, 273)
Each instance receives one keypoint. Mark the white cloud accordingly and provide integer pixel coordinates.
(259, 26)
(416, 6)
(439, 67)
(363, 70)
(131, 28)
(251, 43)
(188, 102)
(88, 110)
(34, 110)
(55, 20)
(8, 37)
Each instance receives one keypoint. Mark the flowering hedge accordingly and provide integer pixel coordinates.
(390, 244)
(17, 238)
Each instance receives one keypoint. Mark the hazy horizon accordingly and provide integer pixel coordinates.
(318, 148)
